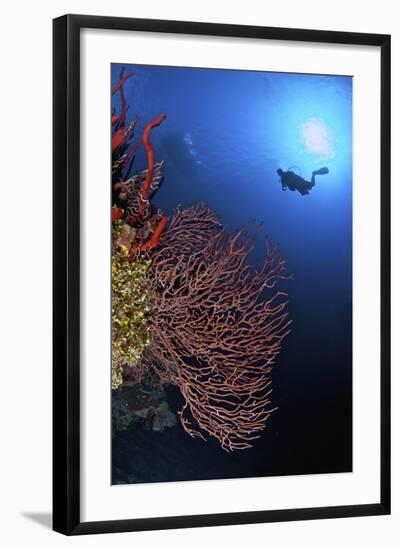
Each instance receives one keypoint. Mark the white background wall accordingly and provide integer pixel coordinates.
(25, 305)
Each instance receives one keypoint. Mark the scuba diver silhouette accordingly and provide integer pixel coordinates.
(290, 180)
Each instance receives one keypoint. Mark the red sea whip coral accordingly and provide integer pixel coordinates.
(216, 323)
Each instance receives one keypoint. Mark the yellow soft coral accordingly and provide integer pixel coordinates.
(130, 334)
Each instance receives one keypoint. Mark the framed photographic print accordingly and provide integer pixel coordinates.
(221, 274)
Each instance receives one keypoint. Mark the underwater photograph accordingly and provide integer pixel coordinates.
(231, 273)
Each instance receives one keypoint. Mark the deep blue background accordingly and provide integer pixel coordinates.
(225, 135)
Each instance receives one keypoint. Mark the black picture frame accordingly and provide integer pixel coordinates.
(66, 272)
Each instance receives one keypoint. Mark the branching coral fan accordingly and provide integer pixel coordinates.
(210, 322)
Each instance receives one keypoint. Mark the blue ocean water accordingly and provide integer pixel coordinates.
(226, 134)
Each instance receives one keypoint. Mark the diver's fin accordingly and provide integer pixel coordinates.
(321, 171)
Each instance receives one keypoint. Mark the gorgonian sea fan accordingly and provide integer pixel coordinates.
(214, 324)
(212, 332)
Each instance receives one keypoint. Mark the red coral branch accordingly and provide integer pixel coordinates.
(120, 133)
(150, 152)
(124, 108)
(150, 163)
(116, 214)
(133, 150)
(118, 139)
(123, 79)
(154, 239)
